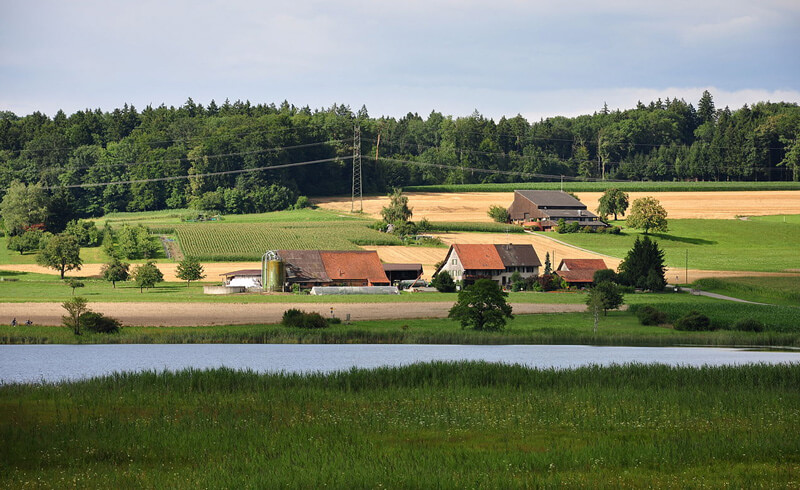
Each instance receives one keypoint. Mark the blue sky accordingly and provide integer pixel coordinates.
(501, 57)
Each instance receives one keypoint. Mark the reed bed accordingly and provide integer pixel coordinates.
(449, 425)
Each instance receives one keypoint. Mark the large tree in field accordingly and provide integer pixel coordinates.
(643, 266)
(23, 206)
(647, 214)
(61, 252)
(397, 210)
(481, 306)
(115, 270)
(147, 276)
(189, 269)
(613, 201)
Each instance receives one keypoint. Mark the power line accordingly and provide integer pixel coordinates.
(193, 176)
(497, 171)
(220, 155)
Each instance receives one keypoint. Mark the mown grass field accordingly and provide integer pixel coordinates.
(753, 245)
(439, 425)
(602, 186)
(772, 290)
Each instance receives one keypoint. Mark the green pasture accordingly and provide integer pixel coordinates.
(89, 255)
(600, 186)
(712, 244)
(772, 290)
(32, 287)
(437, 425)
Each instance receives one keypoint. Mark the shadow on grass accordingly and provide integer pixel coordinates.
(683, 239)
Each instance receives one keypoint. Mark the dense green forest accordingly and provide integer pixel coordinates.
(168, 152)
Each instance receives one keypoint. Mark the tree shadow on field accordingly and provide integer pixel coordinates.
(683, 239)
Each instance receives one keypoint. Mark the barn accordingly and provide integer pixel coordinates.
(545, 208)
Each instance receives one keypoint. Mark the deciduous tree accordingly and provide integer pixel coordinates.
(189, 269)
(115, 270)
(397, 210)
(61, 252)
(647, 213)
(147, 276)
(482, 306)
(76, 307)
(613, 201)
(23, 206)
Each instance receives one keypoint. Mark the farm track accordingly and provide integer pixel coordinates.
(207, 314)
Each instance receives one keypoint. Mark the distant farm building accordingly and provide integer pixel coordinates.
(470, 262)
(247, 278)
(402, 272)
(579, 272)
(545, 208)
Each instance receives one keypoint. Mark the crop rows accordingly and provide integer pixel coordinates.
(249, 241)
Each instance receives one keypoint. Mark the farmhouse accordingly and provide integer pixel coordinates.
(546, 208)
(579, 272)
(470, 262)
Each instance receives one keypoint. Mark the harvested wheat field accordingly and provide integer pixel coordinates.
(472, 206)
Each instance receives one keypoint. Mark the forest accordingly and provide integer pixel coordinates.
(239, 157)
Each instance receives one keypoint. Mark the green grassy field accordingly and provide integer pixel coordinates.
(755, 245)
(439, 425)
(602, 186)
(173, 217)
(772, 290)
(89, 255)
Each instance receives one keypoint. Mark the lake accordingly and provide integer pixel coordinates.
(52, 363)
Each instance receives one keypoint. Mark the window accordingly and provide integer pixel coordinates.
(455, 261)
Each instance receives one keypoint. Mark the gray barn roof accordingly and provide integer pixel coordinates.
(518, 255)
(556, 199)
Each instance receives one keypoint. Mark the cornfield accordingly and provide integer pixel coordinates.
(249, 241)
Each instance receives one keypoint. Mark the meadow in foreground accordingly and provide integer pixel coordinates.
(430, 425)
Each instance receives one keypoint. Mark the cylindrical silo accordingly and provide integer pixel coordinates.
(276, 276)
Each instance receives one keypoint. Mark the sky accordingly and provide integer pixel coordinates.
(500, 57)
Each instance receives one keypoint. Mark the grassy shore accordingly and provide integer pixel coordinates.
(443, 425)
(617, 328)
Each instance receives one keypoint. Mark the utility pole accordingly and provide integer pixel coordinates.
(686, 277)
(357, 171)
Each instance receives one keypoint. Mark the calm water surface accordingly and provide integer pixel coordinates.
(37, 363)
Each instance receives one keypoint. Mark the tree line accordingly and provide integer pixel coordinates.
(664, 140)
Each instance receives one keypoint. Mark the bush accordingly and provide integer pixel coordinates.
(295, 318)
(99, 323)
(499, 214)
(749, 325)
(603, 275)
(334, 321)
(650, 315)
(443, 282)
(693, 321)
(616, 230)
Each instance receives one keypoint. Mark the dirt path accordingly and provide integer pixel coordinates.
(204, 314)
(472, 206)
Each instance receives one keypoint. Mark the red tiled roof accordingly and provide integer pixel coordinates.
(354, 265)
(577, 275)
(578, 264)
(479, 257)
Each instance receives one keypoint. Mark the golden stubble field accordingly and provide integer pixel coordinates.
(472, 206)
